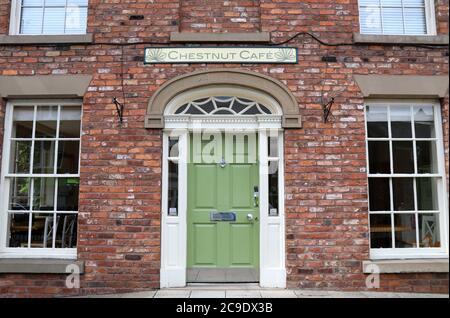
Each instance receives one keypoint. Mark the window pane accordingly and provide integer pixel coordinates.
(380, 231)
(42, 230)
(429, 233)
(403, 191)
(379, 194)
(70, 124)
(401, 122)
(77, 2)
(273, 187)
(427, 198)
(23, 122)
(173, 147)
(68, 192)
(403, 156)
(18, 229)
(46, 119)
(76, 20)
(19, 196)
(44, 194)
(29, 3)
(392, 21)
(391, 3)
(66, 232)
(31, 21)
(415, 21)
(377, 125)
(379, 161)
(20, 157)
(413, 3)
(424, 122)
(272, 145)
(60, 3)
(405, 230)
(370, 20)
(368, 2)
(44, 156)
(69, 129)
(68, 156)
(173, 189)
(54, 20)
(426, 157)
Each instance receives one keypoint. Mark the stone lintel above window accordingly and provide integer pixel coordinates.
(403, 86)
(44, 86)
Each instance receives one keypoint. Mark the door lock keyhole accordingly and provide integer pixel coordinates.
(222, 163)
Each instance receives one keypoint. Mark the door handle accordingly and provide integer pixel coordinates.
(250, 217)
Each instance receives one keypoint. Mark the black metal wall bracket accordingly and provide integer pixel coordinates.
(327, 110)
(119, 108)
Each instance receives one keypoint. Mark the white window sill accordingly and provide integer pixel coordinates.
(407, 266)
(47, 39)
(359, 38)
(38, 265)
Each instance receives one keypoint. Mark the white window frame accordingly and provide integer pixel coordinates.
(23, 252)
(430, 17)
(414, 253)
(14, 21)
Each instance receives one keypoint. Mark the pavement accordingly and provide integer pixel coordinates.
(254, 291)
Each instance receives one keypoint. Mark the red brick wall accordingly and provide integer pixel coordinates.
(220, 16)
(4, 15)
(326, 183)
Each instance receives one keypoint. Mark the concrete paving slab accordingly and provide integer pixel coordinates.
(208, 294)
(205, 286)
(168, 293)
(278, 294)
(243, 294)
(146, 294)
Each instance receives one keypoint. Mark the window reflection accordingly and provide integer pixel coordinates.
(19, 195)
(18, 229)
(380, 231)
(377, 124)
(173, 189)
(403, 189)
(44, 194)
(20, 156)
(405, 230)
(424, 122)
(429, 234)
(68, 192)
(379, 194)
(68, 156)
(46, 121)
(401, 122)
(44, 156)
(379, 159)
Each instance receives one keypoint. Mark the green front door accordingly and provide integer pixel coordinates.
(223, 210)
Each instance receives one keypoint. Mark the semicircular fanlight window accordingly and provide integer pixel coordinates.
(223, 105)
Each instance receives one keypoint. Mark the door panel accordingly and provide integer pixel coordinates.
(205, 242)
(222, 245)
(242, 243)
(205, 186)
(241, 186)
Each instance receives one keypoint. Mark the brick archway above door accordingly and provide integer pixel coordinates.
(230, 77)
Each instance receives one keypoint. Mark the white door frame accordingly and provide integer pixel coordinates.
(174, 228)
